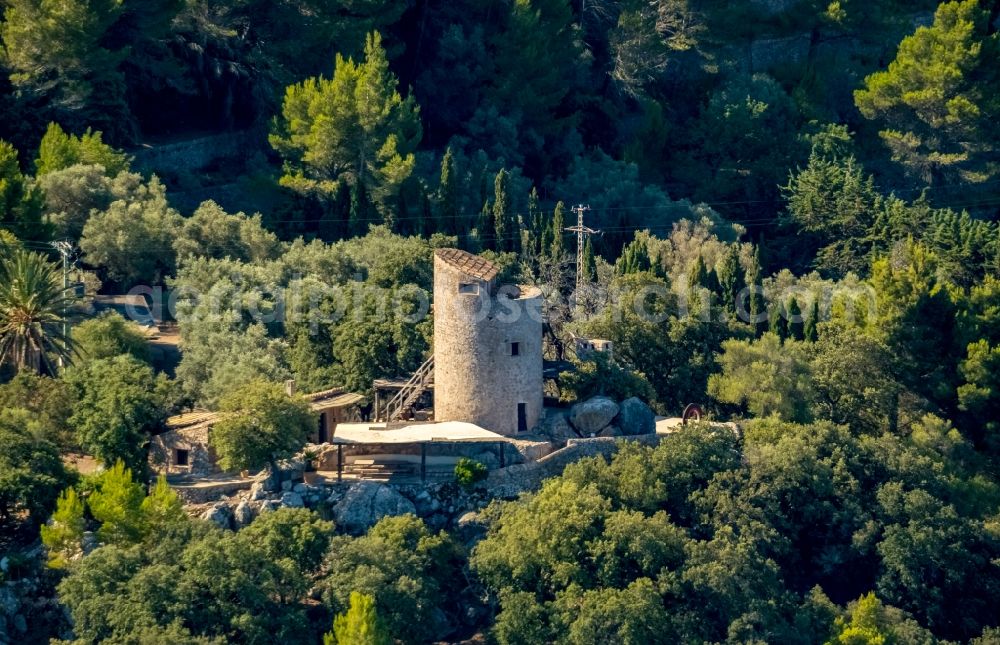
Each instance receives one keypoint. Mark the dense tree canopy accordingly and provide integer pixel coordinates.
(795, 206)
(260, 424)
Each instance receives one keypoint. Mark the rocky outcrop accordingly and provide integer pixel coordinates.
(243, 514)
(593, 415)
(557, 428)
(636, 418)
(366, 503)
(610, 431)
(219, 514)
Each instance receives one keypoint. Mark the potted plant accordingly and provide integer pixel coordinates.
(309, 474)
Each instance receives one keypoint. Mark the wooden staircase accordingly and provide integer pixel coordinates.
(403, 401)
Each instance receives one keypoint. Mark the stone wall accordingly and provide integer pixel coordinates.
(510, 482)
(163, 449)
(476, 376)
(195, 154)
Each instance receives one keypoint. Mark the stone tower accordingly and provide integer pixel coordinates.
(487, 346)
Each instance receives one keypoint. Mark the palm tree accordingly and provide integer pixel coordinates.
(32, 312)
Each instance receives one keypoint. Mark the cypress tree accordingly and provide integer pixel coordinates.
(623, 263)
(448, 196)
(777, 323)
(557, 248)
(657, 268)
(757, 307)
(796, 327)
(758, 313)
(485, 230)
(535, 225)
(730, 278)
(698, 275)
(589, 262)
(502, 214)
(634, 259)
(811, 331)
(360, 213)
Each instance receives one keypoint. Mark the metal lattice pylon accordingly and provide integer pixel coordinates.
(581, 232)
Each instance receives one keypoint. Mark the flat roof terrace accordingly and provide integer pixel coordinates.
(445, 431)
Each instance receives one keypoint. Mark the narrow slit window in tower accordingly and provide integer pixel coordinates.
(515, 349)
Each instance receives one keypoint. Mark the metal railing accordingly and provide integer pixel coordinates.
(409, 393)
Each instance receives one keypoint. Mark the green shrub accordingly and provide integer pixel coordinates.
(469, 471)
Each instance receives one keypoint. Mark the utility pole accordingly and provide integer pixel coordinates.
(65, 249)
(581, 232)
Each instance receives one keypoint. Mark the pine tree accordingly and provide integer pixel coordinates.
(355, 125)
(938, 100)
(21, 205)
(63, 534)
(116, 505)
(449, 196)
(557, 248)
(359, 625)
(589, 262)
(59, 150)
(811, 331)
(162, 507)
(796, 326)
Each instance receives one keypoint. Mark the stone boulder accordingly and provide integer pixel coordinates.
(219, 514)
(265, 482)
(366, 503)
(593, 415)
(471, 527)
(292, 500)
(636, 418)
(557, 428)
(611, 431)
(426, 504)
(243, 514)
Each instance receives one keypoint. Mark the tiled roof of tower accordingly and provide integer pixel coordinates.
(471, 265)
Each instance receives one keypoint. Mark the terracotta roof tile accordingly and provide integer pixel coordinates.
(472, 265)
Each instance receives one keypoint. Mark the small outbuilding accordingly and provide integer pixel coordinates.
(184, 448)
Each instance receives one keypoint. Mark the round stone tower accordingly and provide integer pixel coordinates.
(487, 346)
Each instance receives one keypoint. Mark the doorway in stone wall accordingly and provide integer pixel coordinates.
(522, 417)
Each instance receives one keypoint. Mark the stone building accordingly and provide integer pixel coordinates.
(184, 448)
(487, 346)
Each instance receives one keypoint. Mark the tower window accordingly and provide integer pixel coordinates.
(468, 289)
(181, 457)
(515, 349)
